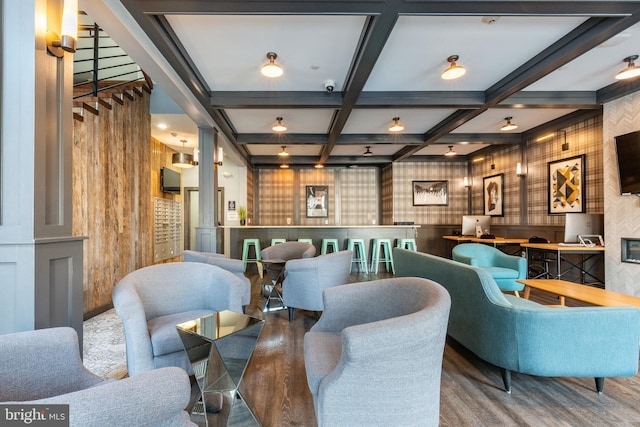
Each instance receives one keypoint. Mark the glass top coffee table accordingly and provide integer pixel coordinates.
(219, 347)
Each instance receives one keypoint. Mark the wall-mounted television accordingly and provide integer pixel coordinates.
(628, 154)
(169, 181)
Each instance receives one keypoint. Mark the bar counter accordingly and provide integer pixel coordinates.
(234, 235)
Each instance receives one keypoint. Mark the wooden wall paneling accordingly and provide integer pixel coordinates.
(116, 167)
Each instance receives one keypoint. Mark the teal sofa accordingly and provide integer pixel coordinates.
(522, 336)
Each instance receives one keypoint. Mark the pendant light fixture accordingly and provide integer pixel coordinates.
(182, 160)
(279, 127)
(631, 70)
(271, 69)
(454, 71)
(396, 126)
(283, 152)
(368, 152)
(450, 152)
(508, 125)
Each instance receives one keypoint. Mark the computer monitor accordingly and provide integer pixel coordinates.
(576, 224)
(469, 223)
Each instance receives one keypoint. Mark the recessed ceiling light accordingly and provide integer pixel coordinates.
(284, 166)
(319, 166)
(162, 126)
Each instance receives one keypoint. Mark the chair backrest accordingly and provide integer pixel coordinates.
(181, 286)
(483, 254)
(397, 329)
(306, 278)
(289, 250)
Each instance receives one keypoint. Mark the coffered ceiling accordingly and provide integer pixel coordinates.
(543, 63)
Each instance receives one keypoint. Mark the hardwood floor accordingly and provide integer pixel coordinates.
(471, 389)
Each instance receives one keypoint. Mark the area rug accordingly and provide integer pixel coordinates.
(104, 348)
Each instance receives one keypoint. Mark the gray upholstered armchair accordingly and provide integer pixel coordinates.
(286, 251)
(375, 355)
(235, 266)
(44, 367)
(306, 278)
(152, 300)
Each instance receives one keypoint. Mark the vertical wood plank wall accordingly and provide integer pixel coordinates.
(116, 175)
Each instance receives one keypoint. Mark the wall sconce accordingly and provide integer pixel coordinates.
(196, 156)
(219, 157)
(519, 171)
(66, 42)
(466, 182)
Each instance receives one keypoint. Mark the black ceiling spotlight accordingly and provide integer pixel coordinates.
(368, 152)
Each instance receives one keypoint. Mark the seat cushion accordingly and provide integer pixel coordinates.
(322, 352)
(501, 272)
(163, 332)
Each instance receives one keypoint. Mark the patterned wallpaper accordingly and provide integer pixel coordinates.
(583, 138)
(403, 173)
(353, 196)
(364, 195)
(621, 213)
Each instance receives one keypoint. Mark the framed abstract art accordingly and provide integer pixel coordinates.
(566, 185)
(493, 195)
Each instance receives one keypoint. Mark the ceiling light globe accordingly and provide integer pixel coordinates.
(509, 126)
(279, 128)
(453, 72)
(629, 72)
(271, 70)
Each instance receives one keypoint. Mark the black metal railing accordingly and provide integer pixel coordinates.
(101, 66)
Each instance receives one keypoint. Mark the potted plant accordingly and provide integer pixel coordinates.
(242, 214)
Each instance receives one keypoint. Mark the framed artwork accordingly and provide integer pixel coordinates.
(493, 195)
(430, 193)
(566, 185)
(317, 201)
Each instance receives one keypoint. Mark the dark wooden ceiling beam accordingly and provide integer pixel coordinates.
(373, 39)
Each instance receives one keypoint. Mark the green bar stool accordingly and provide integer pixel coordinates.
(276, 241)
(329, 242)
(245, 251)
(359, 254)
(376, 259)
(409, 244)
(309, 241)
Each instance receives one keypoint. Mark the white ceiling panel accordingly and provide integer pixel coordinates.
(229, 50)
(417, 50)
(378, 121)
(296, 121)
(596, 68)
(526, 118)
(293, 150)
(460, 149)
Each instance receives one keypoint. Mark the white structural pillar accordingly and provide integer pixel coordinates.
(40, 259)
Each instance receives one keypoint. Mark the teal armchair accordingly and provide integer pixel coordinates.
(505, 269)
